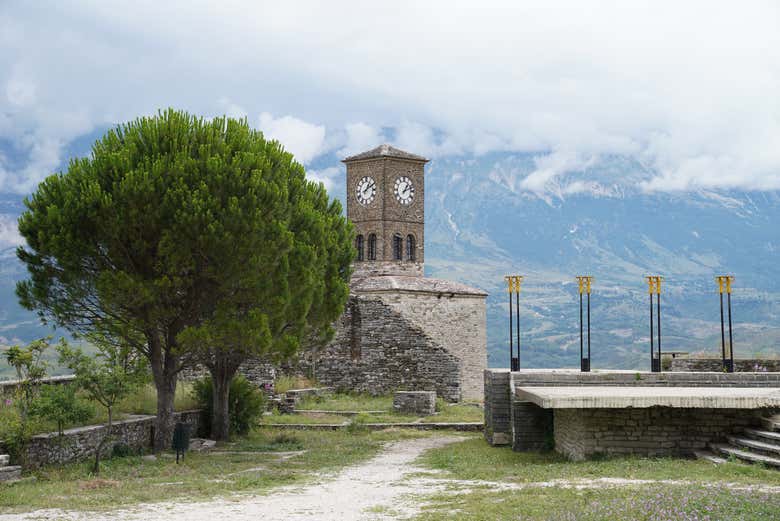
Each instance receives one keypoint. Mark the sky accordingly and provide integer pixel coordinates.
(690, 90)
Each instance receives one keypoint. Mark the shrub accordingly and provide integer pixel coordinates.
(59, 404)
(245, 405)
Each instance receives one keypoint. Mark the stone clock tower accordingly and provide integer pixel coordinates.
(386, 204)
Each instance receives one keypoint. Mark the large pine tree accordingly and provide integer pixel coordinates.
(190, 240)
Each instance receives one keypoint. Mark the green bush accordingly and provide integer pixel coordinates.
(245, 406)
(61, 405)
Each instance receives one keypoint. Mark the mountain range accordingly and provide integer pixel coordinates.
(484, 220)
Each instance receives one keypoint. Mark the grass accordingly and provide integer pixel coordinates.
(276, 418)
(346, 402)
(475, 459)
(705, 498)
(657, 503)
(285, 383)
(446, 412)
(245, 466)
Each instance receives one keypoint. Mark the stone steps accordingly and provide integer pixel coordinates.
(9, 472)
(708, 456)
(762, 447)
(760, 435)
(771, 423)
(745, 455)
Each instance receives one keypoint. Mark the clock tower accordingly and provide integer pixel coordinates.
(386, 204)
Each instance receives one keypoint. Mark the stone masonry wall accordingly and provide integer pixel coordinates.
(655, 431)
(532, 427)
(498, 382)
(498, 425)
(378, 350)
(79, 443)
(8, 387)
(258, 371)
(373, 268)
(715, 364)
(454, 321)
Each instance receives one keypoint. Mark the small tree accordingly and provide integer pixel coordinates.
(106, 378)
(30, 370)
(59, 403)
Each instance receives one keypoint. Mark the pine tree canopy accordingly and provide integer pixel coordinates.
(179, 234)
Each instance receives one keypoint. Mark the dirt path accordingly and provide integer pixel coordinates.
(373, 490)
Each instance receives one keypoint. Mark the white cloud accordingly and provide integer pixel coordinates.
(687, 89)
(327, 176)
(304, 140)
(359, 138)
(9, 232)
(551, 166)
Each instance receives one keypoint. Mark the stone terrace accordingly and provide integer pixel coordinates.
(618, 412)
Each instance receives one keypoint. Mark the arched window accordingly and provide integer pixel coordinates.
(359, 246)
(398, 247)
(411, 248)
(372, 247)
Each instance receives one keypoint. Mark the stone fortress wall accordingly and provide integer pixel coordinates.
(377, 350)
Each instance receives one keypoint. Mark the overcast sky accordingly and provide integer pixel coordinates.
(689, 89)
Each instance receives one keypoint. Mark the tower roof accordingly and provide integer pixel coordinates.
(384, 150)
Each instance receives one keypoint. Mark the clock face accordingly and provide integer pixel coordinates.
(404, 190)
(365, 191)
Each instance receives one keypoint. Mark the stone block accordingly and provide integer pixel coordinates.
(415, 402)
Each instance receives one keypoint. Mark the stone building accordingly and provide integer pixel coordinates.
(401, 330)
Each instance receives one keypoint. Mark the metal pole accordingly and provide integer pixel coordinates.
(731, 340)
(722, 335)
(582, 365)
(658, 302)
(652, 349)
(588, 330)
(511, 333)
(517, 329)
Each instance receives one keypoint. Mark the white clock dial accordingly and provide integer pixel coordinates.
(404, 190)
(365, 191)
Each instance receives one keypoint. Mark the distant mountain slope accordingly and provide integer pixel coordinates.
(481, 226)
(483, 223)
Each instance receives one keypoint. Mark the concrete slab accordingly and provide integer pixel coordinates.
(619, 397)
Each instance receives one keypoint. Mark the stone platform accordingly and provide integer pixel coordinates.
(621, 397)
(623, 412)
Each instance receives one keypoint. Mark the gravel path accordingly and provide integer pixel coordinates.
(373, 490)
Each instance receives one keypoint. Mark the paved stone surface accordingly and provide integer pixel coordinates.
(617, 397)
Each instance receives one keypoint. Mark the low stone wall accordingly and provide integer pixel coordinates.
(655, 431)
(716, 364)
(8, 387)
(415, 402)
(78, 444)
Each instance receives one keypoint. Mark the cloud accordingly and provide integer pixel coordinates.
(304, 140)
(359, 138)
(691, 96)
(9, 232)
(327, 176)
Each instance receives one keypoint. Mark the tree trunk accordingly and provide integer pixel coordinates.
(221, 376)
(165, 372)
(166, 391)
